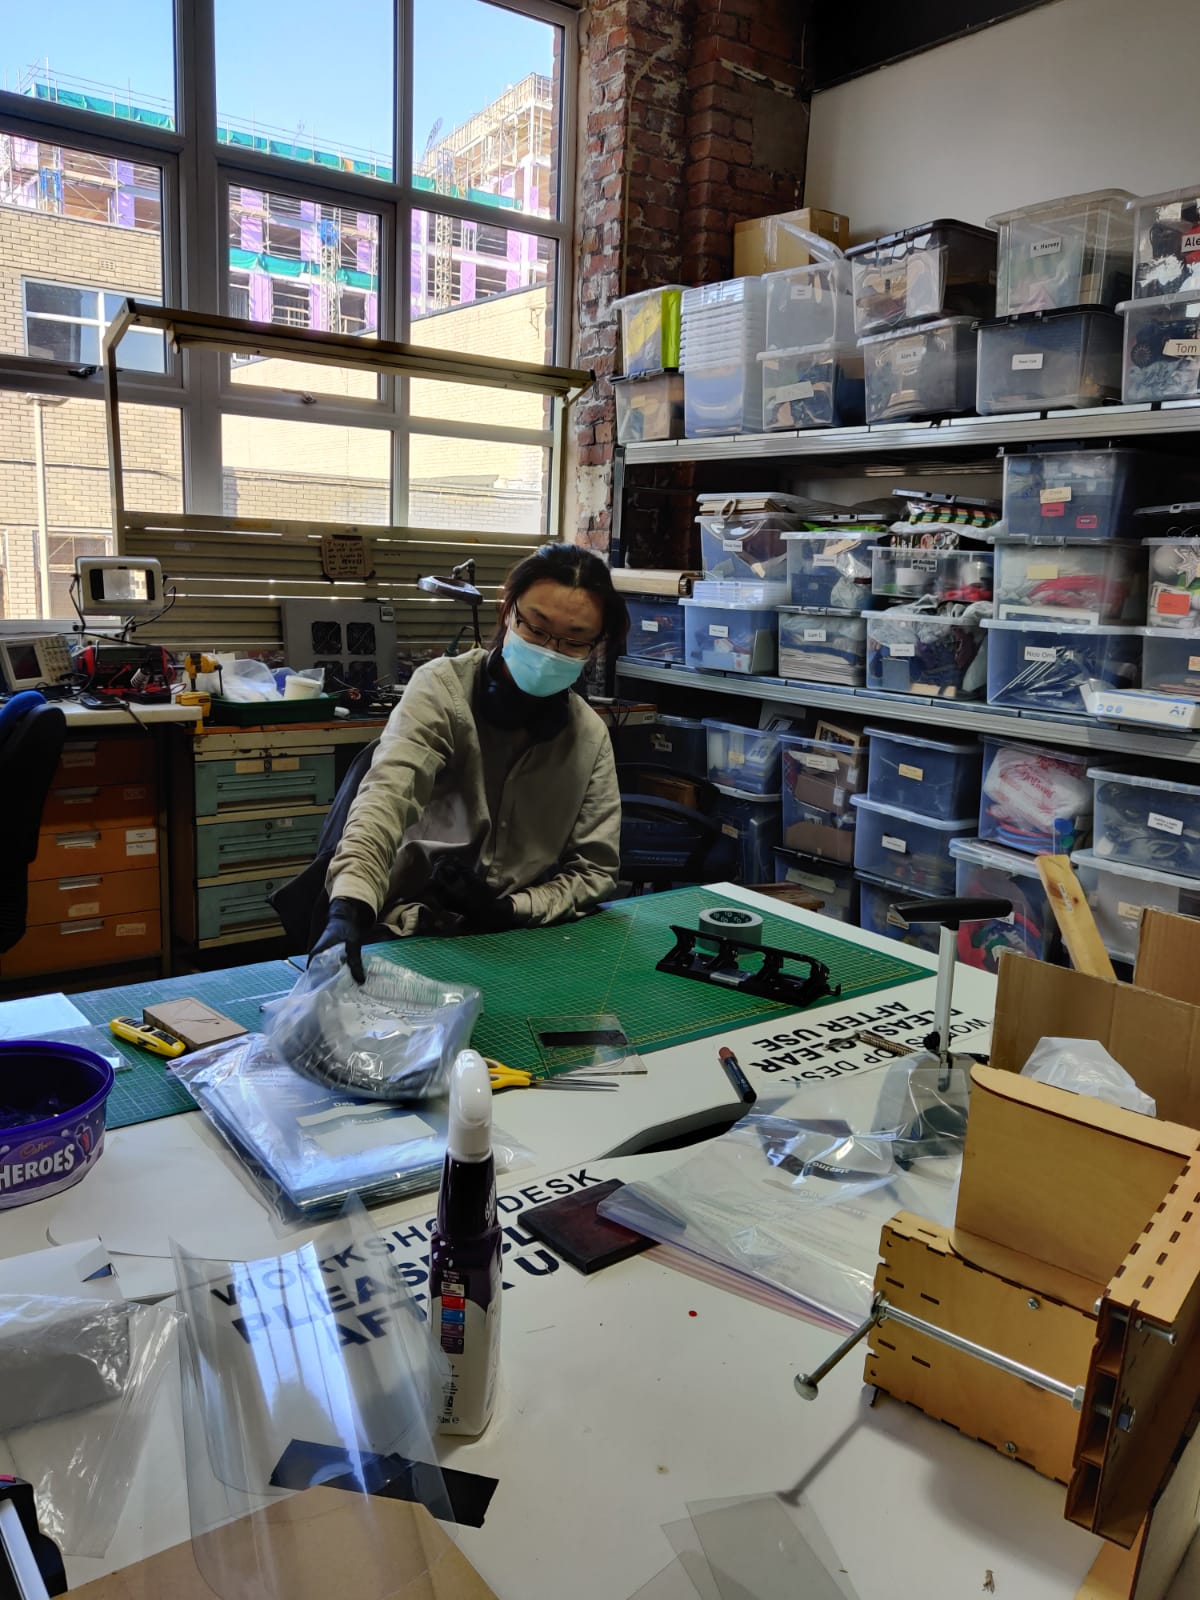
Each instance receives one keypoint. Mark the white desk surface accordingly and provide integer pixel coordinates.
(79, 718)
(631, 1393)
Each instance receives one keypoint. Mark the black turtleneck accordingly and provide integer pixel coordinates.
(502, 705)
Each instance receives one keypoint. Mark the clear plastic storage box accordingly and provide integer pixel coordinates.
(650, 329)
(1174, 598)
(724, 635)
(830, 570)
(905, 848)
(1166, 243)
(875, 901)
(823, 646)
(1118, 894)
(1147, 822)
(927, 371)
(743, 758)
(1034, 800)
(837, 886)
(919, 652)
(1171, 662)
(1077, 494)
(745, 546)
(819, 778)
(987, 871)
(721, 398)
(899, 572)
(1038, 666)
(1049, 577)
(925, 271)
(1070, 252)
(649, 407)
(724, 328)
(655, 627)
(816, 386)
(753, 821)
(812, 305)
(680, 743)
(1049, 361)
(1162, 349)
(936, 777)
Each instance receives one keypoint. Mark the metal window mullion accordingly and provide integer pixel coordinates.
(48, 122)
(484, 432)
(490, 216)
(245, 400)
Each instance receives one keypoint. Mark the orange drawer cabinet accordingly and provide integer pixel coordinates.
(83, 852)
(127, 805)
(89, 942)
(86, 763)
(91, 895)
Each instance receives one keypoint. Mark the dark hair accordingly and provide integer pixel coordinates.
(575, 568)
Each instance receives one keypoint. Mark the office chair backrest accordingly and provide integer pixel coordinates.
(31, 741)
(302, 904)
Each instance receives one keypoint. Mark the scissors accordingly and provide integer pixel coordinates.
(503, 1077)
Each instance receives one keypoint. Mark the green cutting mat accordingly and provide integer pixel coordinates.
(148, 1091)
(607, 963)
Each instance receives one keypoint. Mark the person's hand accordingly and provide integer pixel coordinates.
(349, 922)
(463, 890)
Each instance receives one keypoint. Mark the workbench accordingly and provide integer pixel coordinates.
(627, 1395)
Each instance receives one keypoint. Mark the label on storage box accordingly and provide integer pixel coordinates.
(1090, 520)
(1031, 361)
(1163, 824)
(130, 930)
(890, 842)
(649, 625)
(814, 635)
(902, 652)
(1040, 652)
(729, 830)
(1046, 247)
(1172, 602)
(819, 763)
(1128, 912)
(1041, 570)
(1190, 242)
(826, 560)
(248, 766)
(733, 543)
(1194, 663)
(802, 291)
(718, 630)
(141, 842)
(792, 391)
(917, 774)
(1181, 347)
(1055, 497)
(907, 356)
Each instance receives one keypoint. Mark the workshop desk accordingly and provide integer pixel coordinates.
(629, 1394)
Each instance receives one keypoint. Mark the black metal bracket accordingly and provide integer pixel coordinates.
(768, 979)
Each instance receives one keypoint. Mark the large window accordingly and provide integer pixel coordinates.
(382, 168)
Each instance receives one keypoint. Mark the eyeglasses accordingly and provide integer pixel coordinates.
(576, 649)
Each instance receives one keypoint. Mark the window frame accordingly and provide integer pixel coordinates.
(197, 173)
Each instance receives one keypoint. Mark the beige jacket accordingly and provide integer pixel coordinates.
(542, 819)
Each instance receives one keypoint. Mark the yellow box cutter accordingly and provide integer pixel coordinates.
(155, 1040)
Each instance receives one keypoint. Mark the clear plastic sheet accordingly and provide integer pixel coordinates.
(1084, 1066)
(794, 1204)
(303, 1374)
(390, 1038)
(922, 1112)
(80, 1380)
(307, 1147)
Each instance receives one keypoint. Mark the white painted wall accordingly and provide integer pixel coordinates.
(1077, 95)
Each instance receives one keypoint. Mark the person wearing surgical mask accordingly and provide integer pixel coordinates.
(492, 800)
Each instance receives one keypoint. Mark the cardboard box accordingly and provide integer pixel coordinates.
(1169, 955)
(768, 244)
(192, 1021)
(1154, 1037)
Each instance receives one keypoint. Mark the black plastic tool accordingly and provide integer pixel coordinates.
(763, 973)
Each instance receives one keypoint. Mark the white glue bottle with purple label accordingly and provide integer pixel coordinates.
(464, 1260)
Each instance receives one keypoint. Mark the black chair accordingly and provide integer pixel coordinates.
(31, 740)
(302, 904)
(671, 833)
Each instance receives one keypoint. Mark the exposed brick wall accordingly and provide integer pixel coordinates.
(694, 114)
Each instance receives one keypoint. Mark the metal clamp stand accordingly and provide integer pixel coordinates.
(808, 1383)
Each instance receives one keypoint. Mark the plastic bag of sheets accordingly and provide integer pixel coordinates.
(390, 1038)
(77, 1399)
(1084, 1066)
(308, 1147)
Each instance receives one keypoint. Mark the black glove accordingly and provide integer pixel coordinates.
(463, 890)
(349, 922)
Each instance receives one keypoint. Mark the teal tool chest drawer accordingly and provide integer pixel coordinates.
(226, 908)
(266, 780)
(256, 842)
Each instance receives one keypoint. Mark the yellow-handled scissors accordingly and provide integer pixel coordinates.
(503, 1077)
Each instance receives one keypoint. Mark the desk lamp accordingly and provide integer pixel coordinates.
(460, 585)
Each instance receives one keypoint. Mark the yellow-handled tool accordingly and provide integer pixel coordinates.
(503, 1077)
(146, 1037)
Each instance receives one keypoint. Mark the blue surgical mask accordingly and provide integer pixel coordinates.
(536, 670)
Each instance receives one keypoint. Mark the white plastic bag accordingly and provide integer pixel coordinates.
(1084, 1066)
(246, 679)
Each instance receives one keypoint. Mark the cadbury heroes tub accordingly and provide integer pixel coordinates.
(52, 1099)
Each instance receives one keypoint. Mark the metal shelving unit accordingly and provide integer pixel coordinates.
(971, 716)
(956, 434)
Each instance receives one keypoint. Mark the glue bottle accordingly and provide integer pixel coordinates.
(464, 1261)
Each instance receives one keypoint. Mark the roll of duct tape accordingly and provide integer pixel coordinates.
(731, 922)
